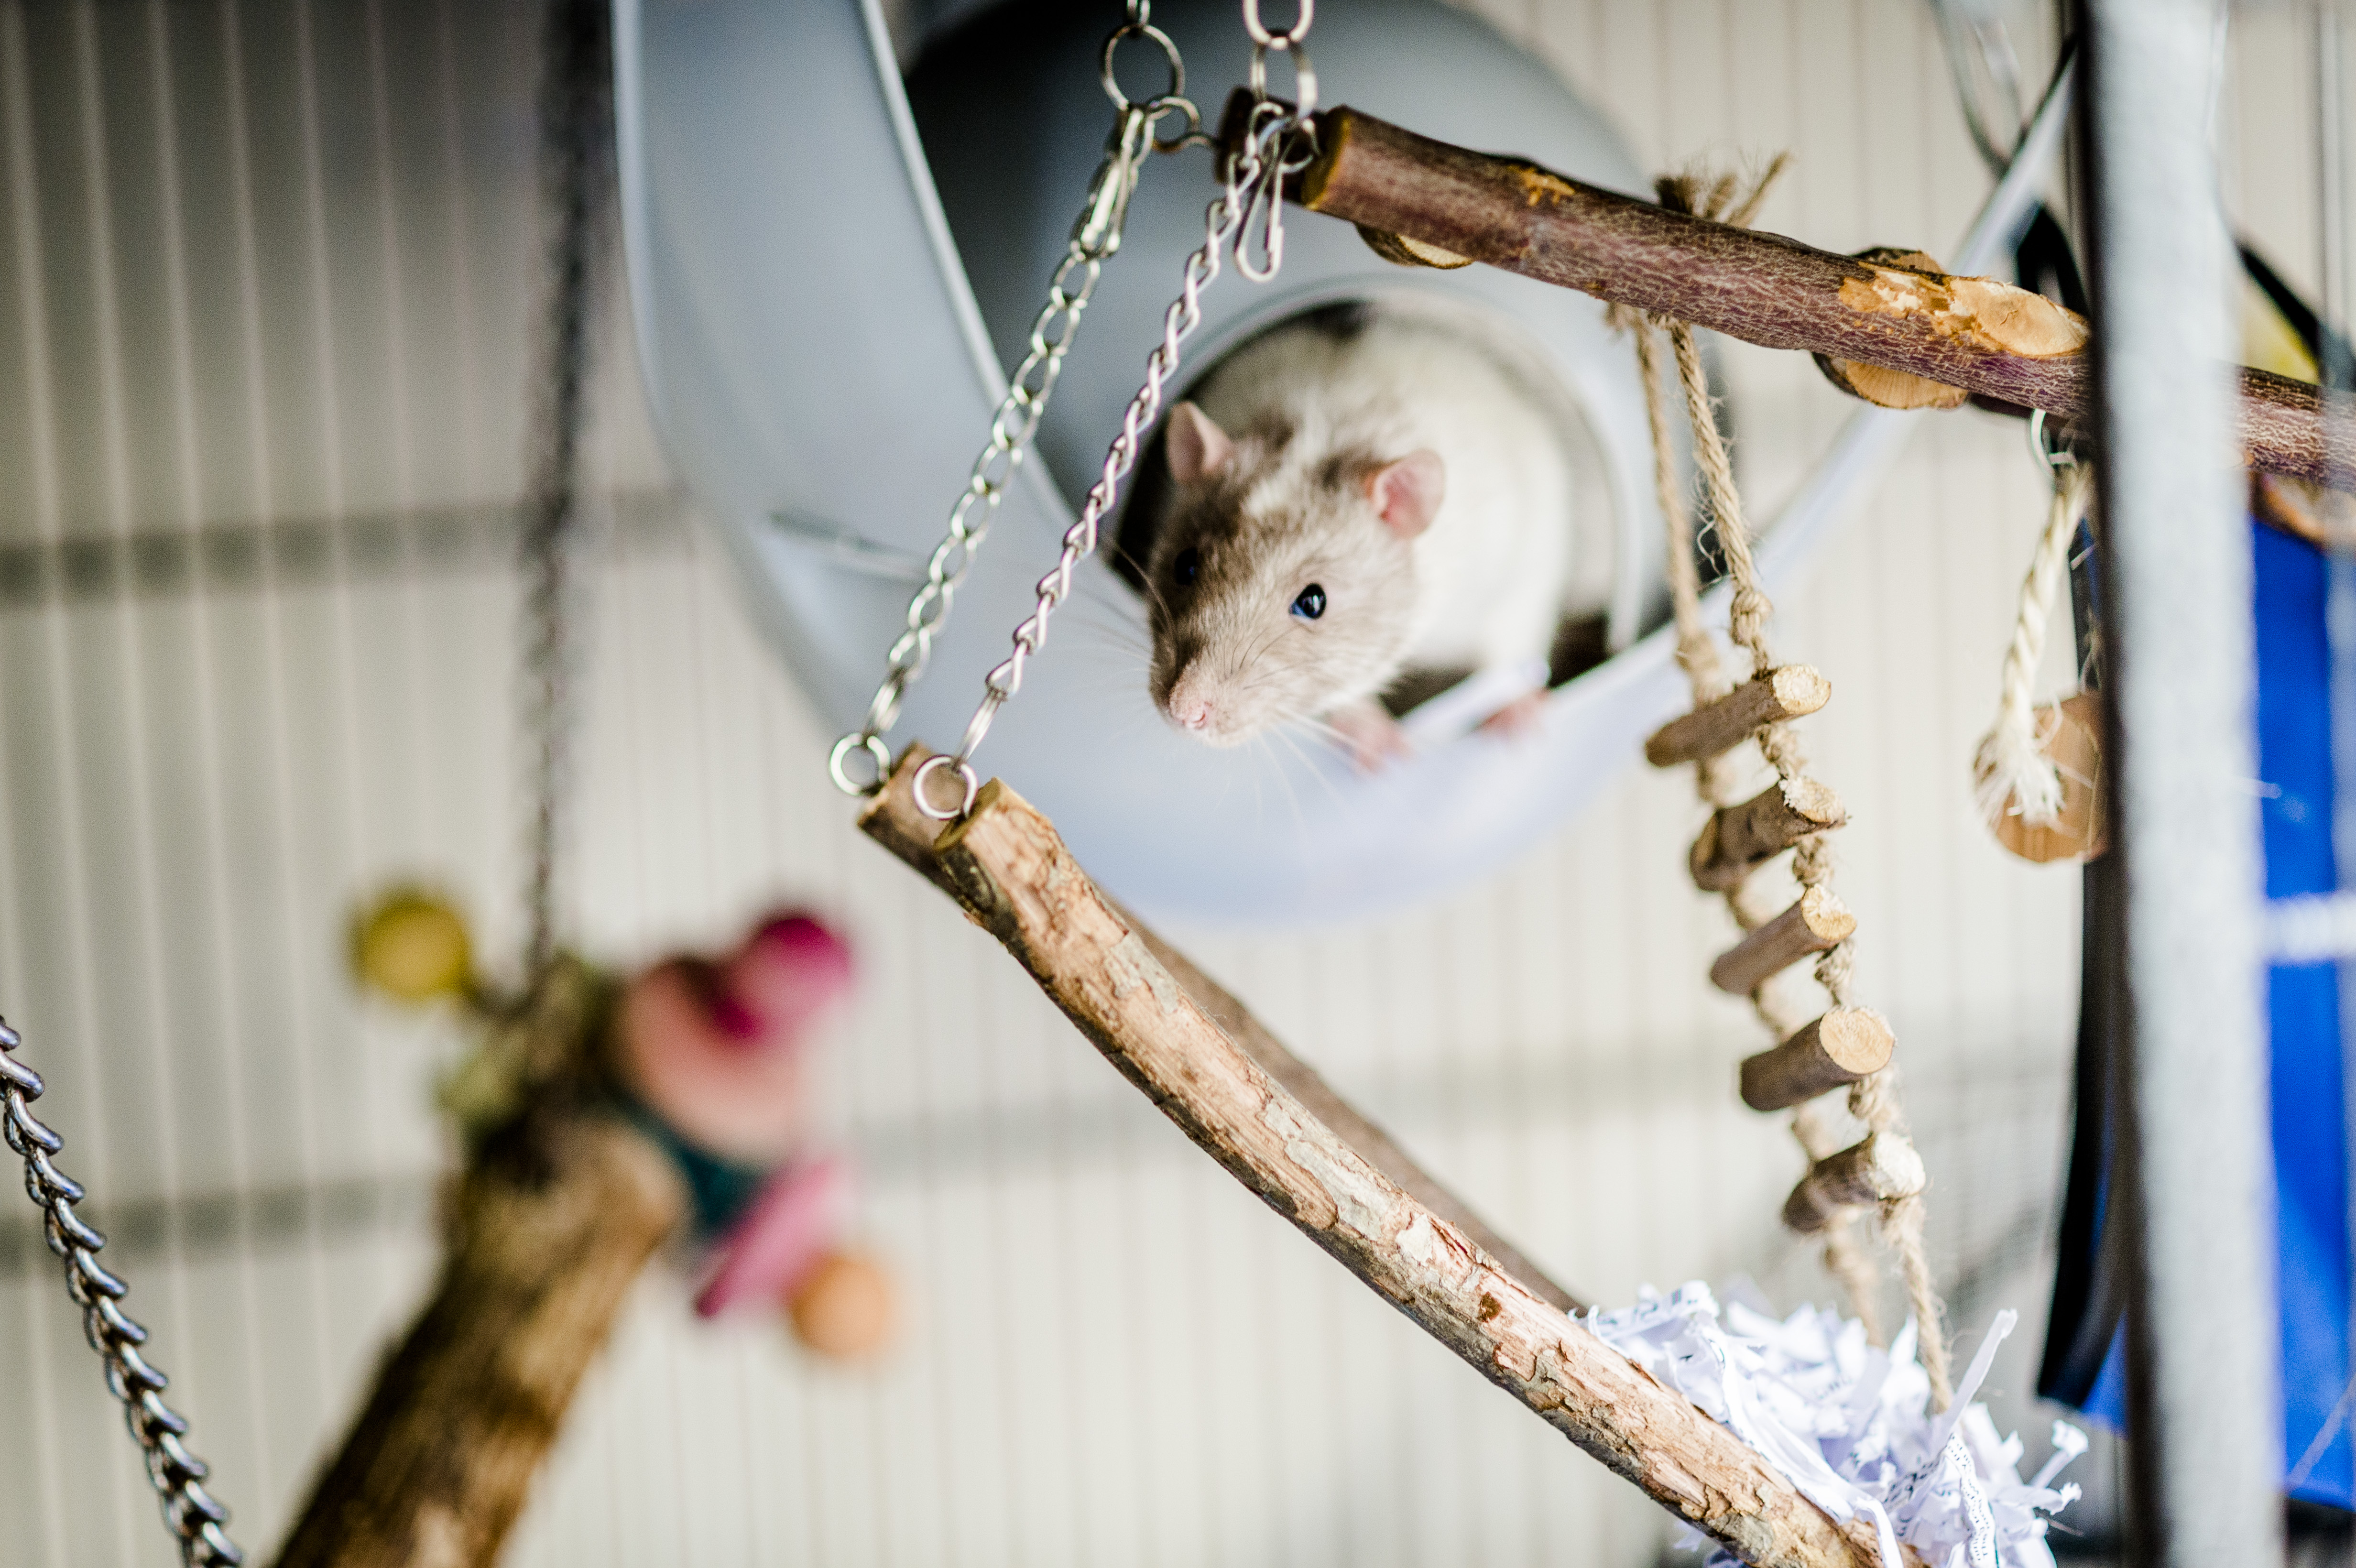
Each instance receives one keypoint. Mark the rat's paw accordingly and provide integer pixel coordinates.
(1372, 736)
(1518, 718)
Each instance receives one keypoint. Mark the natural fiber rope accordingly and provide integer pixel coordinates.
(1872, 1101)
(2012, 773)
(1697, 654)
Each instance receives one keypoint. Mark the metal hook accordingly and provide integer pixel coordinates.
(2055, 459)
(1263, 210)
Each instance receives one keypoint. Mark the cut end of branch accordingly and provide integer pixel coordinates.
(1787, 691)
(1882, 1168)
(1816, 922)
(1843, 1046)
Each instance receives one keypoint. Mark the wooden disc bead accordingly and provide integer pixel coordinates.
(1843, 1046)
(1883, 1166)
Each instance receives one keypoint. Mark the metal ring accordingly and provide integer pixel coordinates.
(965, 773)
(1177, 88)
(873, 744)
(2040, 443)
(1304, 77)
(1294, 35)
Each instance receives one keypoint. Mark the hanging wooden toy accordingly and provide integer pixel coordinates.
(598, 1117)
(2037, 773)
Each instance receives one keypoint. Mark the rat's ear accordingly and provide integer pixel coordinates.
(1196, 448)
(1406, 494)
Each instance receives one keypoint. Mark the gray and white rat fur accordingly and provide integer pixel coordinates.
(1347, 504)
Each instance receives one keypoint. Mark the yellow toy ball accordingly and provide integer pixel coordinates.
(846, 1309)
(413, 946)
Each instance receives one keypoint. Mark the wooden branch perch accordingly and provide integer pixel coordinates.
(895, 822)
(1005, 864)
(1973, 333)
(438, 1465)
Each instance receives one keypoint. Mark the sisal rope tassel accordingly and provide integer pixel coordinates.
(2012, 773)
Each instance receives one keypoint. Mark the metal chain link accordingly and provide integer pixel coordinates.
(576, 131)
(1250, 193)
(1096, 236)
(191, 1513)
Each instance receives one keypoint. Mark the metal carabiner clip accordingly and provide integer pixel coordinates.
(1098, 233)
(1263, 209)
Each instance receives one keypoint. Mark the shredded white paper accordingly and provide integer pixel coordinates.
(1851, 1425)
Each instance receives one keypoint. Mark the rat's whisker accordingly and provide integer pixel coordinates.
(1323, 776)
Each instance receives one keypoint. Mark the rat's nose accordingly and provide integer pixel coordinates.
(1189, 706)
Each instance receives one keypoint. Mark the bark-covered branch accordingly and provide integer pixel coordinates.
(895, 822)
(551, 1222)
(1007, 867)
(1985, 336)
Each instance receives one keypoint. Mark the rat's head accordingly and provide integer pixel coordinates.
(1282, 583)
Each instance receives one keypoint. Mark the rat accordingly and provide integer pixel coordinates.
(1353, 496)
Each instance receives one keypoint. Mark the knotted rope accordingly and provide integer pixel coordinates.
(2013, 773)
(1872, 1101)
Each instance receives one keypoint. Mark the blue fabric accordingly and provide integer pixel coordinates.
(2309, 1112)
(2310, 1119)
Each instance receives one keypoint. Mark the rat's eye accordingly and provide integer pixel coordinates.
(1188, 565)
(1310, 602)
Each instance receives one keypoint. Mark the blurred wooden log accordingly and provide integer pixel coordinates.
(894, 821)
(1811, 925)
(1984, 336)
(1739, 840)
(1843, 1046)
(553, 1220)
(1792, 691)
(1014, 878)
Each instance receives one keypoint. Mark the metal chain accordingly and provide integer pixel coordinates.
(1096, 236)
(195, 1520)
(576, 142)
(1251, 192)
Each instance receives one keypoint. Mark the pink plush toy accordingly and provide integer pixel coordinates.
(720, 1051)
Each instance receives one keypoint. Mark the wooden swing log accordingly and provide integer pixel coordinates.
(1739, 840)
(1882, 1167)
(1792, 691)
(894, 821)
(1841, 1047)
(554, 1219)
(1975, 333)
(1814, 924)
(1007, 867)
